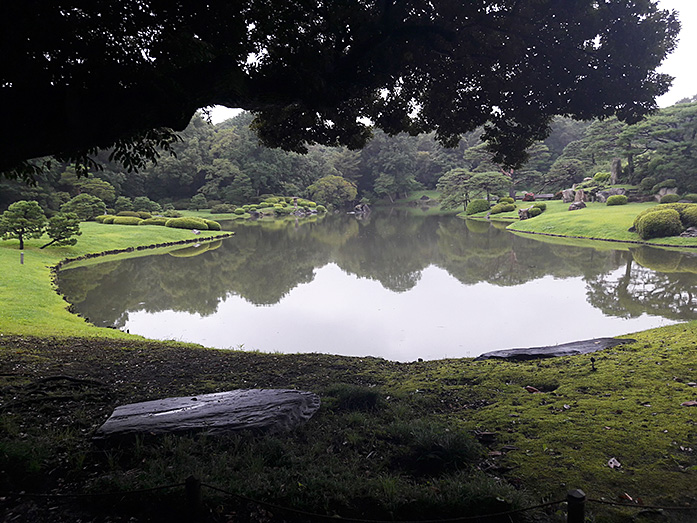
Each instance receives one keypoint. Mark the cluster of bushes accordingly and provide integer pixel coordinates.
(503, 207)
(537, 209)
(665, 220)
(179, 223)
(270, 205)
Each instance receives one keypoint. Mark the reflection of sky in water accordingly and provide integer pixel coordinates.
(438, 318)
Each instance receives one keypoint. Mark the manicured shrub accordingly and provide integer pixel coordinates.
(502, 207)
(127, 220)
(534, 211)
(647, 183)
(102, 217)
(688, 216)
(692, 197)
(284, 210)
(617, 199)
(540, 205)
(171, 213)
(158, 220)
(659, 224)
(321, 208)
(506, 199)
(239, 211)
(222, 208)
(129, 213)
(144, 215)
(212, 225)
(187, 223)
(109, 218)
(311, 205)
(477, 206)
(670, 198)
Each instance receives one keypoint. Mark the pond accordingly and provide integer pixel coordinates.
(392, 285)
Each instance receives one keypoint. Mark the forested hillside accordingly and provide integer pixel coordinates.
(226, 164)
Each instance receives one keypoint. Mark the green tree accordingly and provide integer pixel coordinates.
(123, 203)
(454, 188)
(62, 229)
(333, 190)
(198, 201)
(22, 220)
(143, 203)
(490, 182)
(320, 71)
(99, 188)
(85, 206)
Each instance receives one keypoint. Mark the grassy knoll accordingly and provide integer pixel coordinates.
(597, 222)
(30, 304)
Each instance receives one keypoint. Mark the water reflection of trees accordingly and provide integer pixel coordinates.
(264, 261)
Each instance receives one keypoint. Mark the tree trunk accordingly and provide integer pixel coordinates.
(21, 242)
(615, 170)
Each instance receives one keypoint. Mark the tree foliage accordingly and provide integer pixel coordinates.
(22, 220)
(312, 73)
(62, 229)
(333, 190)
(85, 206)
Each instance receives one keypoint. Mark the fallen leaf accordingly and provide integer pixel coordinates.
(531, 389)
(691, 403)
(614, 464)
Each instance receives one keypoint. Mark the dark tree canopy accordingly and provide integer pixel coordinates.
(80, 75)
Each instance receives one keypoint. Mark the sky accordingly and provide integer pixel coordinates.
(681, 64)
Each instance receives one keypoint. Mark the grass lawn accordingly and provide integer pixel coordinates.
(30, 303)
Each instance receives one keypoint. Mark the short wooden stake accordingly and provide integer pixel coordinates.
(576, 501)
(194, 499)
(21, 258)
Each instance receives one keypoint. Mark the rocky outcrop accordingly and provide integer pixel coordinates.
(565, 349)
(268, 410)
(576, 206)
(602, 196)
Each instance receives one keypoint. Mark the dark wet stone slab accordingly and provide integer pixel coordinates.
(268, 410)
(552, 351)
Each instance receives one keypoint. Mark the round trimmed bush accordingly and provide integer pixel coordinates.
(187, 223)
(321, 208)
(284, 210)
(601, 177)
(127, 220)
(502, 207)
(223, 208)
(158, 220)
(617, 199)
(129, 213)
(534, 211)
(670, 198)
(143, 215)
(506, 199)
(108, 219)
(477, 206)
(100, 218)
(692, 197)
(540, 205)
(688, 216)
(212, 225)
(659, 224)
(239, 211)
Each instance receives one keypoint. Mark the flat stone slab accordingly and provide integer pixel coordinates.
(552, 351)
(272, 410)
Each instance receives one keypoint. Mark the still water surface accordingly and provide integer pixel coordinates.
(393, 286)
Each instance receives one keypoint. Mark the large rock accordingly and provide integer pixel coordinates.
(567, 195)
(551, 351)
(576, 206)
(271, 410)
(602, 196)
(665, 190)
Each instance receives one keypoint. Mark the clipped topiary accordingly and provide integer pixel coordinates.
(143, 215)
(127, 220)
(102, 217)
(502, 207)
(212, 225)
(659, 224)
(158, 220)
(506, 199)
(688, 216)
(108, 219)
(239, 211)
(617, 199)
(129, 213)
(670, 198)
(540, 205)
(534, 211)
(223, 208)
(187, 223)
(477, 206)
(692, 197)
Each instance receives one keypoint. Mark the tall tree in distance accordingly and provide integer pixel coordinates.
(314, 73)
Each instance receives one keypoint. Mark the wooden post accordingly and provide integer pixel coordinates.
(194, 500)
(576, 501)
(21, 258)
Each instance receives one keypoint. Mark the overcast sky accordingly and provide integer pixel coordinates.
(682, 64)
